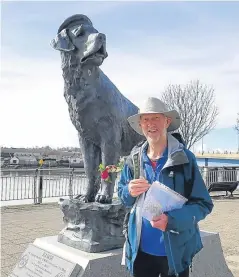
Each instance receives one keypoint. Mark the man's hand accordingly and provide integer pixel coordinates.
(160, 222)
(138, 186)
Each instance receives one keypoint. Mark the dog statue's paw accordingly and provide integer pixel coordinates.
(100, 198)
(84, 198)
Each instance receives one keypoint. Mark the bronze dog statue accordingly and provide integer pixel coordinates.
(97, 109)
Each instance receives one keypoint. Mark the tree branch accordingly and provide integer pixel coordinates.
(196, 105)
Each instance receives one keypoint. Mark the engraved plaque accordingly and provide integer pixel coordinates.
(36, 262)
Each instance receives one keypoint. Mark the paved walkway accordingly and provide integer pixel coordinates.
(21, 225)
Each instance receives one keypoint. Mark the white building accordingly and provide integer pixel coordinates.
(75, 161)
(23, 160)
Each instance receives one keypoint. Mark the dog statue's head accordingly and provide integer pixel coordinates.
(78, 35)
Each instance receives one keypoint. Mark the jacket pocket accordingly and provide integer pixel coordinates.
(190, 249)
(183, 237)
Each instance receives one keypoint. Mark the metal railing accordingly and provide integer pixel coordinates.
(219, 175)
(38, 184)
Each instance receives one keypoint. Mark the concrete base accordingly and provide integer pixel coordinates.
(101, 264)
(210, 262)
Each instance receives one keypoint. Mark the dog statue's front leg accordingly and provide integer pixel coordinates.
(91, 157)
(110, 156)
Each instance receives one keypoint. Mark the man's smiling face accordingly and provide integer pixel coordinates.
(154, 126)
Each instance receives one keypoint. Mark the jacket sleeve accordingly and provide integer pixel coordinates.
(123, 189)
(197, 207)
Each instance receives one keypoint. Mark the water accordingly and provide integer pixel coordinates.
(218, 162)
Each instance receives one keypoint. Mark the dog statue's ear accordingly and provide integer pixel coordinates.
(62, 42)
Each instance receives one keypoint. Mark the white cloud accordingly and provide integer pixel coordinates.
(33, 110)
(143, 76)
(32, 107)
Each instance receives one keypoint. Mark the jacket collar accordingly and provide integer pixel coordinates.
(176, 153)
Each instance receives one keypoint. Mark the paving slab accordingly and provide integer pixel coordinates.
(21, 225)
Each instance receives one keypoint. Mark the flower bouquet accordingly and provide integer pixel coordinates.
(105, 170)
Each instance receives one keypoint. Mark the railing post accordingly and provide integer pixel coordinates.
(40, 188)
(206, 161)
(35, 187)
(205, 175)
(220, 175)
(70, 187)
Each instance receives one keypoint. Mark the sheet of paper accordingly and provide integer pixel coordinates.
(160, 199)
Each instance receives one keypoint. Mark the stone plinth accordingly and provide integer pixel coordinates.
(102, 264)
(210, 261)
(92, 227)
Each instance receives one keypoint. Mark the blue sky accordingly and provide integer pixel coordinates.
(150, 45)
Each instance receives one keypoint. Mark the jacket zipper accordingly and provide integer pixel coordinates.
(169, 241)
(171, 253)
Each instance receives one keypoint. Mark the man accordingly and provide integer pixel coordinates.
(166, 245)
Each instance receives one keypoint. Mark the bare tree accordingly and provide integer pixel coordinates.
(196, 105)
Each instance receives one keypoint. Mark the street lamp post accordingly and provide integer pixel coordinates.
(236, 127)
(202, 145)
(238, 141)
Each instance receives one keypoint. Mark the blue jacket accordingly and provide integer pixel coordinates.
(182, 237)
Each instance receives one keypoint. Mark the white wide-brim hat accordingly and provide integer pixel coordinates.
(154, 105)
